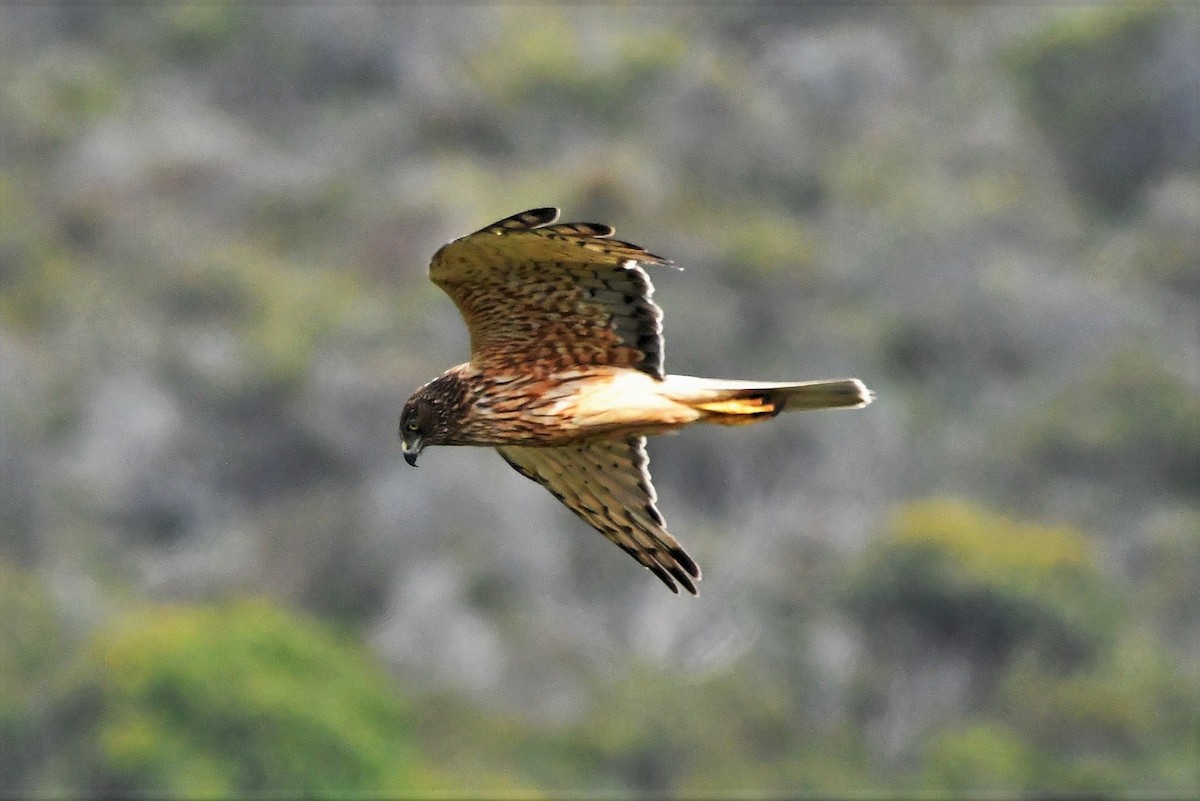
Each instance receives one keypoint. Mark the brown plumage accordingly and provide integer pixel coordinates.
(566, 376)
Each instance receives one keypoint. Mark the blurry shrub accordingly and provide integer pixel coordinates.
(588, 80)
(303, 221)
(947, 349)
(983, 757)
(50, 99)
(236, 700)
(33, 645)
(1076, 713)
(758, 244)
(1091, 80)
(739, 731)
(197, 31)
(1130, 723)
(618, 748)
(1164, 248)
(1128, 421)
(1165, 565)
(651, 733)
(34, 273)
(966, 578)
(885, 172)
(477, 750)
(270, 314)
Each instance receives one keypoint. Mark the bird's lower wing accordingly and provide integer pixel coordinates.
(607, 483)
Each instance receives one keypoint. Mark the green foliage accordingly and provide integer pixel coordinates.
(236, 700)
(34, 272)
(195, 31)
(54, 96)
(1089, 81)
(757, 244)
(1078, 712)
(979, 757)
(1166, 565)
(1129, 420)
(651, 733)
(1125, 723)
(301, 222)
(983, 582)
(33, 644)
(275, 312)
(1163, 253)
(31, 635)
(881, 173)
(597, 76)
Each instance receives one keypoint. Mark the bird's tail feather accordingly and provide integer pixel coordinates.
(741, 402)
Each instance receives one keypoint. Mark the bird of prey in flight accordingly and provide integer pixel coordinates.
(566, 376)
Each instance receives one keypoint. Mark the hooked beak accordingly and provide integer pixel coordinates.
(411, 451)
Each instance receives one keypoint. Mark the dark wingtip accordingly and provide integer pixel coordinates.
(585, 229)
(679, 568)
(685, 569)
(664, 577)
(685, 580)
(525, 220)
(540, 216)
(680, 556)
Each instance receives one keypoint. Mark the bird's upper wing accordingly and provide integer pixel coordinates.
(607, 483)
(540, 297)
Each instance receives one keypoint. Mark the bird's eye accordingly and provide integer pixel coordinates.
(412, 425)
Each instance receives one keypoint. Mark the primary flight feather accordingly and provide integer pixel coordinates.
(566, 376)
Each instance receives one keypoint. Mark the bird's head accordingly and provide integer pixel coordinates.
(417, 423)
(430, 416)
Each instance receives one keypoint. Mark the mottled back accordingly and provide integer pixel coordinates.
(540, 297)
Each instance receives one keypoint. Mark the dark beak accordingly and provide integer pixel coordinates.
(412, 449)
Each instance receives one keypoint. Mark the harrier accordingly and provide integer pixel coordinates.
(566, 376)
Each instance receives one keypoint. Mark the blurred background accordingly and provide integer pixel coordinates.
(219, 578)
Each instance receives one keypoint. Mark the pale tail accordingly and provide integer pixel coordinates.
(739, 402)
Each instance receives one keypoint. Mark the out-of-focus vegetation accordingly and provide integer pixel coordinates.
(218, 579)
(237, 700)
(987, 585)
